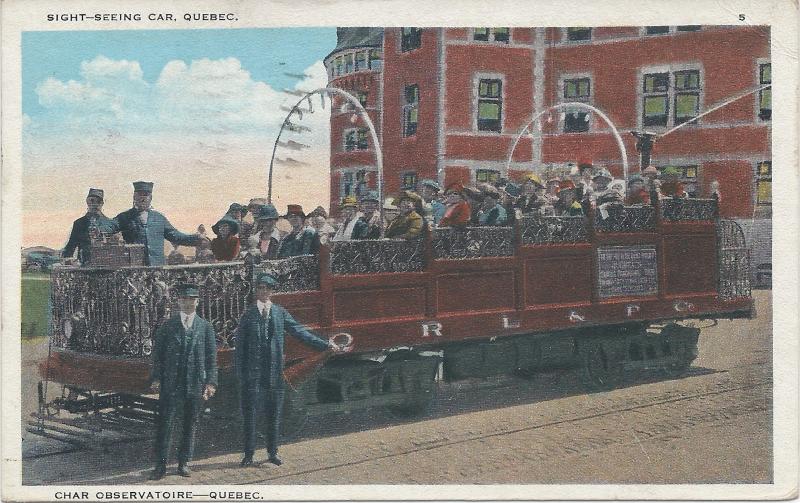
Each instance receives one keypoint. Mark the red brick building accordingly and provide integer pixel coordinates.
(450, 102)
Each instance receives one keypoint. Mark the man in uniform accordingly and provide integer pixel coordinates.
(369, 226)
(259, 364)
(185, 366)
(144, 225)
(87, 228)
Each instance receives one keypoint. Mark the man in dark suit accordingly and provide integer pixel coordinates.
(185, 367)
(87, 228)
(302, 240)
(259, 364)
(144, 225)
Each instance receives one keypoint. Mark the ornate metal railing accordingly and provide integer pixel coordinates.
(373, 256)
(733, 261)
(689, 209)
(625, 219)
(117, 312)
(294, 274)
(541, 230)
(472, 242)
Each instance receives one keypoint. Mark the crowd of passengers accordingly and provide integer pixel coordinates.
(253, 230)
(257, 231)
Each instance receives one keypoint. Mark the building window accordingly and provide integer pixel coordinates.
(688, 27)
(681, 88)
(362, 97)
(356, 139)
(577, 120)
(765, 95)
(764, 183)
(375, 59)
(579, 33)
(410, 39)
(361, 61)
(490, 104)
(347, 184)
(410, 110)
(656, 30)
(338, 66)
(688, 177)
(491, 34)
(487, 176)
(408, 180)
(348, 63)
(687, 95)
(361, 183)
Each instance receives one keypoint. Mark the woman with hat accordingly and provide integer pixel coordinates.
(529, 201)
(567, 205)
(302, 240)
(408, 224)
(350, 216)
(265, 241)
(457, 213)
(225, 246)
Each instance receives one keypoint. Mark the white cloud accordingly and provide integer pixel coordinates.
(203, 131)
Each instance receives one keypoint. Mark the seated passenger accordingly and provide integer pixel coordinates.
(529, 201)
(671, 185)
(302, 240)
(433, 208)
(567, 206)
(225, 246)
(611, 199)
(368, 225)
(491, 211)
(390, 211)
(637, 194)
(552, 185)
(457, 213)
(408, 224)
(474, 198)
(350, 215)
(600, 182)
(265, 241)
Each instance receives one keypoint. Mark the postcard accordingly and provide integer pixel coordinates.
(372, 250)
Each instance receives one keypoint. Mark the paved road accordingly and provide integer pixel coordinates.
(712, 426)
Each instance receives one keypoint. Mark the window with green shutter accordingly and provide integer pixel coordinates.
(410, 39)
(765, 95)
(576, 120)
(656, 99)
(577, 33)
(481, 34)
(490, 104)
(764, 183)
(687, 95)
(375, 59)
(361, 61)
(486, 176)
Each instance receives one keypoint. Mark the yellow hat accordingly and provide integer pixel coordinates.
(349, 201)
(533, 177)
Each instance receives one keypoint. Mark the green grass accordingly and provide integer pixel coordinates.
(35, 296)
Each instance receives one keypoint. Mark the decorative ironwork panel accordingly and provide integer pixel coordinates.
(626, 219)
(294, 274)
(689, 209)
(733, 261)
(372, 256)
(473, 242)
(541, 230)
(117, 312)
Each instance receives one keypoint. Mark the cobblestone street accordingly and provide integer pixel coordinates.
(711, 426)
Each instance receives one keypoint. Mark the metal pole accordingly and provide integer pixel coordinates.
(574, 104)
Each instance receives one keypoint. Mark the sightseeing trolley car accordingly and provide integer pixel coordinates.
(600, 294)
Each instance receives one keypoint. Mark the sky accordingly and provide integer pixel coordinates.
(194, 111)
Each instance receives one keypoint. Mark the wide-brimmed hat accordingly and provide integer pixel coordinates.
(566, 185)
(603, 173)
(488, 190)
(427, 182)
(294, 209)
(257, 201)
(267, 212)
(650, 170)
(267, 279)
(95, 193)
(533, 178)
(227, 219)
(187, 290)
(454, 187)
(143, 187)
(237, 207)
(370, 195)
(349, 202)
(390, 203)
(319, 211)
